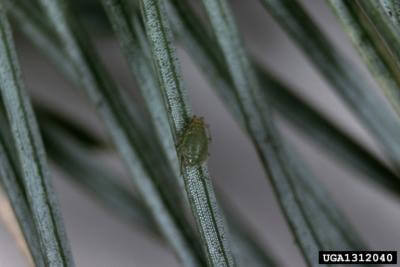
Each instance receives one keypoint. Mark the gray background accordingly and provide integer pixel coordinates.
(99, 239)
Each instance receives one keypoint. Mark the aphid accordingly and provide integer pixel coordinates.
(193, 143)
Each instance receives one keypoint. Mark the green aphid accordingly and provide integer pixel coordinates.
(193, 143)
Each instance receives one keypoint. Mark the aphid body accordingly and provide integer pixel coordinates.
(193, 143)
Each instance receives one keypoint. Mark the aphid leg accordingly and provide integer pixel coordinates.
(182, 167)
(208, 132)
